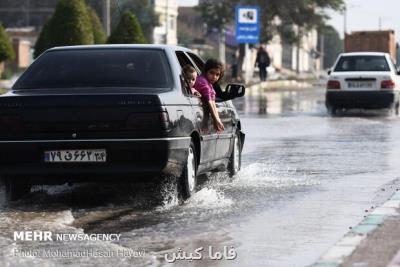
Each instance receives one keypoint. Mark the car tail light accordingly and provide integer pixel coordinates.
(333, 84)
(148, 121)
(387, 84)
(10, 122)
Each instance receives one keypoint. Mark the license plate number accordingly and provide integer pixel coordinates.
(360, 84)
(76, 155)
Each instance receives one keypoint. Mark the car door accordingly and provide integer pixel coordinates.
(224, 138)
(202, 117)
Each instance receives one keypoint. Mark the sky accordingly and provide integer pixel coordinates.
(361, 15)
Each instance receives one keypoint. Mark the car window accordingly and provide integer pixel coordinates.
(183, 61)
(197, 60)
(362, 63)
(83, 68)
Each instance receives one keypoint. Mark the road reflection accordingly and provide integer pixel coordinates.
(266, 101)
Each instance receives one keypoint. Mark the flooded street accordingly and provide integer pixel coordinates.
(306, 178)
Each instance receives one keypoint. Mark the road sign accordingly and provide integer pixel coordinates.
(247, 24)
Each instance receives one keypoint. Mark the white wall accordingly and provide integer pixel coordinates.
(168, 14)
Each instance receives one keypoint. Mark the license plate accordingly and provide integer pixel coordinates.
(360, 84)
(76, 155)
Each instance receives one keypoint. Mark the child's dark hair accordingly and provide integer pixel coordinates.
(188, 69)
(214, 64)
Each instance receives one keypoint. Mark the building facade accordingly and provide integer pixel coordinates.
(167, 11)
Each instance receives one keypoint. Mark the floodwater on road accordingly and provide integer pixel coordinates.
(306, 178)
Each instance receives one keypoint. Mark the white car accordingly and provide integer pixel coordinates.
(366, 80)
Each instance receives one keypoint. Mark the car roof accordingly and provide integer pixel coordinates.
(364, 54)
(114, 46)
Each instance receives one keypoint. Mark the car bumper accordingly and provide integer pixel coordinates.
(361, 99)
(133, 158)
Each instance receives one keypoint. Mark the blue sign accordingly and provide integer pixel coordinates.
(247, 24)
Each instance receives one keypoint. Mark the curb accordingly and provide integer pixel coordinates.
(349, 242)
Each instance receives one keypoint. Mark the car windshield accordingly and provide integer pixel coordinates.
(362, 63)
(91, 68)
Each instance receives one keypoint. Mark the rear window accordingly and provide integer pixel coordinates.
(362, 63)
(143, 68)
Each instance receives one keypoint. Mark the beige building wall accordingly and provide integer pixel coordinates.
(167, 11)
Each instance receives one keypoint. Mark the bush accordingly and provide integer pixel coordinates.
(99, 36)
(69, 25)
(7, 74)
(6, 49)
(128, 31)
(43, 42)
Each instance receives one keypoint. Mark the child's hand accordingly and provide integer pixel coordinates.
(219, 127)
(196, 93)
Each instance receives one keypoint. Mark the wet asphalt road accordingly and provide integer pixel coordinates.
(306, 178)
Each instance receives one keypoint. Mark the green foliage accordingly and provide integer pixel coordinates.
(304, 14)
(99, 35)
(43, 41)
(333, 45)
(145, 13)
(6, 49)
(217, 13)
(69, 25)
(7, 74)
(128, 31)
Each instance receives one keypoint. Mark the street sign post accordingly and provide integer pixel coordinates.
(247, 24)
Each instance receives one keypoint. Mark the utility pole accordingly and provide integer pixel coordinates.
(380, 23)
(106, 17)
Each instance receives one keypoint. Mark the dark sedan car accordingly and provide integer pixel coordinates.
(111, 113)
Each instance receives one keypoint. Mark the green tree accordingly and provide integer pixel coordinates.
(69, 25)
(145, 13)
(333, 45)
(295, 17)
(305, 14)
(43, 42)
(6, 49)
(99, 35)
(128, 31)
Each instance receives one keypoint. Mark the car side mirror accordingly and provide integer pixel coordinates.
(234, 90)
(329, 72)
(398, 70)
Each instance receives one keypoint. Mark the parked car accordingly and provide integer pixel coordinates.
(366, 80)
(111, 113)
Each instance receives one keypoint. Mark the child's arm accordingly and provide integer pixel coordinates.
(218, 125)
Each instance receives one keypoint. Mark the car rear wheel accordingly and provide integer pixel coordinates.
(16, 188)
(235, 159)
(188, 180)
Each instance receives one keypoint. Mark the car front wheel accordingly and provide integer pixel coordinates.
(236, 157)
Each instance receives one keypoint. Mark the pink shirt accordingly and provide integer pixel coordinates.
(205, 88)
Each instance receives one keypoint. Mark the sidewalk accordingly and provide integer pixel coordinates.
(374, 242)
